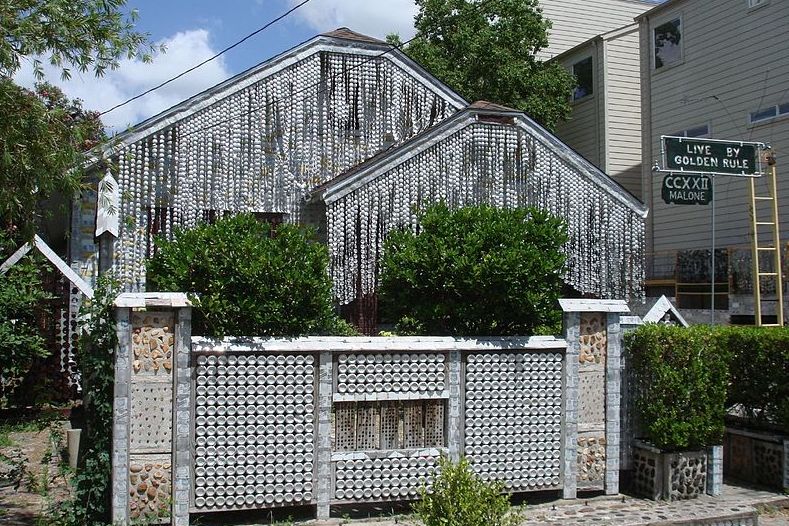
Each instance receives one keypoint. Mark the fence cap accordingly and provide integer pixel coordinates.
(152, 299)
(593, 305)
(377, 343)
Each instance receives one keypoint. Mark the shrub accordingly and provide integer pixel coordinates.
(476, 270)
(759, 371)
(681, 376)
(458, 497)
(249, 278)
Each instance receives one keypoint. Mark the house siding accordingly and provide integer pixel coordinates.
(584, 130)
(606, 128)
(736, 59)
(576, 22)
(623, 103)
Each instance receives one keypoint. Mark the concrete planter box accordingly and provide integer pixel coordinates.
(757, 457)
(669, 476)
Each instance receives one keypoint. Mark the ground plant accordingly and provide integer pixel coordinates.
(681, 378)
(91, 485)
(475, 270)
(249, 278)
(459, 497)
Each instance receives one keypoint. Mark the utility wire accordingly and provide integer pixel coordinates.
(206, 61)
(301, 90)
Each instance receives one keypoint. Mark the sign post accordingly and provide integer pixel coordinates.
(691, 165)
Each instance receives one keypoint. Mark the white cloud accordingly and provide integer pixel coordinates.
(370, 17)
(184, 50)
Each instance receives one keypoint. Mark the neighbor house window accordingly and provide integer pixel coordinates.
(584, 78)
(768, 113)
(698, 131)
(668, 43)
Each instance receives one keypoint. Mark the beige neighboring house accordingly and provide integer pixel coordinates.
(605, 124)
(576, 21)
(717, 69)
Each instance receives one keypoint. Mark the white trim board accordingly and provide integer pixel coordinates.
(53, 258)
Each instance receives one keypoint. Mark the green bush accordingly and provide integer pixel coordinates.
(476, 270)
(759, 372)
(458, 497)
(249, 278)
(681, 375)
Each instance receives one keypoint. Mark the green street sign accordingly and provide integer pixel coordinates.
(687, 189)
(684, 154)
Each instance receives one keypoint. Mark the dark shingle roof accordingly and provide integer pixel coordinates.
(347, 34)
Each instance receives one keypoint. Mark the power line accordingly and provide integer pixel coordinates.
(206, 61)
(301, 90)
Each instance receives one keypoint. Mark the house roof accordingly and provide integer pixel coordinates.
(347, 34)
(659, 7)
(363, 173)
(341, 40)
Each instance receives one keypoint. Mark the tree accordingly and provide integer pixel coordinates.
(485, 50)
(86, 34)
(249, 278)
(43, 134)
(477, 270)
(42, 137)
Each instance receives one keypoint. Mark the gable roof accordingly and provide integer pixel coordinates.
(341, 40)
(363, 173)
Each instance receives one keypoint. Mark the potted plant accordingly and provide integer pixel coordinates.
(680, 378)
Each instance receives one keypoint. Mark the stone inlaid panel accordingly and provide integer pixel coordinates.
(153, 340)
(688, 475)
(397, 375)
(591, 460)
(151, 417)
(254, 431)
(646, 473)
(150, 488)
(591, 399)
(513, 418)
(670, 476)
(593, 338)
(397, 476)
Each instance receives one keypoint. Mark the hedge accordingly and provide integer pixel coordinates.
(681, 377)
(759, 374)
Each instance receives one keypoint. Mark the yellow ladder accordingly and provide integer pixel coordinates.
(766, 220)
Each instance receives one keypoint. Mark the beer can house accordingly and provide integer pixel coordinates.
(346, 133)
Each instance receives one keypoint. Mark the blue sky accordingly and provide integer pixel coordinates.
(194, 30)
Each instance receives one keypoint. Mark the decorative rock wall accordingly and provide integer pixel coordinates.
(592, 360)
(670, 476)
(513, 426)
(150, 487)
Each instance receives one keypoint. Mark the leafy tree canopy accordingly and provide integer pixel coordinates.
(249, 279)
(475, 271)
(485, 50)
(91, 35)
(42, 137)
